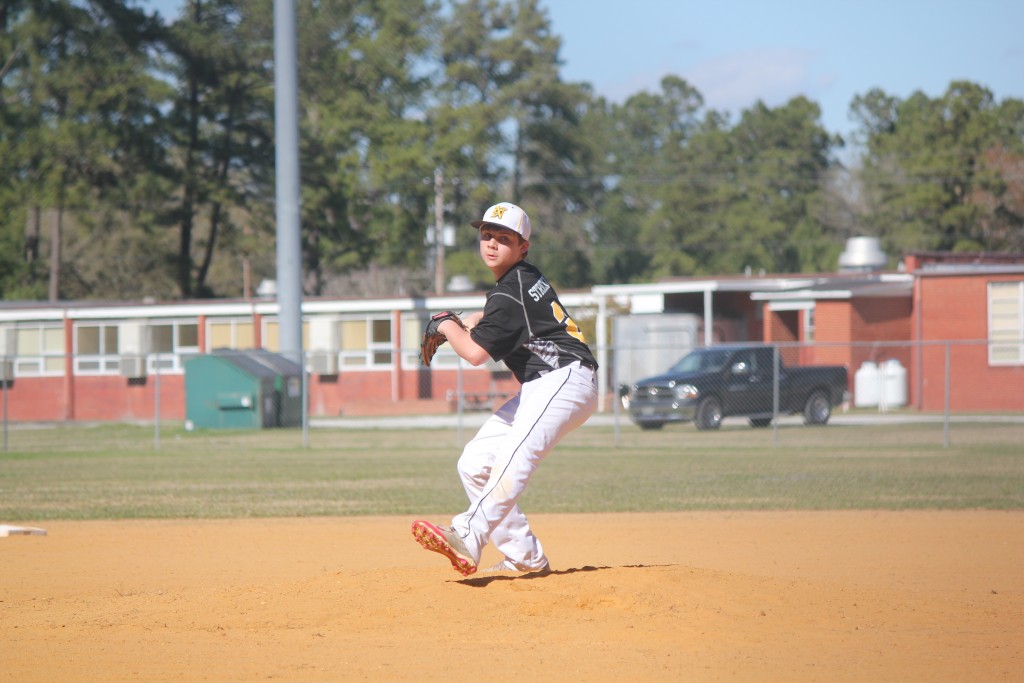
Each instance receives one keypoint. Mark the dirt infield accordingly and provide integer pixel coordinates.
(752, 596)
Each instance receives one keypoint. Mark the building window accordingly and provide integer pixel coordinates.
(808, 325)
(171, 343)
(231, 334)
(1006, 323)
(412, 334)
(96, 349)
(39, 348)
(365, 342)
(272, 335)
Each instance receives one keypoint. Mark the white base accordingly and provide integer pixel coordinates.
(8, 530)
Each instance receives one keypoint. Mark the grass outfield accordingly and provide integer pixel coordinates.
(114, 471)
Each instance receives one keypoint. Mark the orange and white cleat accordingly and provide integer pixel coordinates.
(446, 541)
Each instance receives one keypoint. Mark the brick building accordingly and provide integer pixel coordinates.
(126, 362)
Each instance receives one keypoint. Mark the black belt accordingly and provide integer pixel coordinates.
(583, 363)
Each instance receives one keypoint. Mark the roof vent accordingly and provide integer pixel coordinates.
(863, 254)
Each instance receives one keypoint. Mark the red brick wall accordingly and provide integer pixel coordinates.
(343, 394)
(832, 324)
(869, 321)
(955, 307)
(332, 395)
(783, 327)
(115, 398)
(43, 399)
(882, 320)
(36, 399)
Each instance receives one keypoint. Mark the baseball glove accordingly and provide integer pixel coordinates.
(433, 338)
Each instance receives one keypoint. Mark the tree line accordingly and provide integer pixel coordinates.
(137, 153)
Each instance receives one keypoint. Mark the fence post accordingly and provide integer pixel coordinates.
(775, 396)
(458, 405)
(616, 412)
(3, 381)
(945, 422)
(303, 364)
(156, 403)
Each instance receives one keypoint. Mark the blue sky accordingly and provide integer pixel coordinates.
(739, 51)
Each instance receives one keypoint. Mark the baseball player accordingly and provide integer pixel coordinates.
(524, 325)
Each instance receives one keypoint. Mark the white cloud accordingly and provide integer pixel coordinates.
(735, 81)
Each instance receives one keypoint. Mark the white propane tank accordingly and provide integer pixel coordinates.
(865, 385)
(893, 382)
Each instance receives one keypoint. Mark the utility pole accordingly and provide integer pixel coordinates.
(286, 136)
(438, 231)
(55, 244)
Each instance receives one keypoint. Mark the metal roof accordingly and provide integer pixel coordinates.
(849, 287)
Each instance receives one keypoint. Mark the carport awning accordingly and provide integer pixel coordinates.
(883, 286)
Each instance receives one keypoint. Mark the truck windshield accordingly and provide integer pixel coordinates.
(702, 361)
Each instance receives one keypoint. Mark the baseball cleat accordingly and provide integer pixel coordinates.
(444, 540)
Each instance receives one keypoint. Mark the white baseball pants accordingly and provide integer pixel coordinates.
(496, 466)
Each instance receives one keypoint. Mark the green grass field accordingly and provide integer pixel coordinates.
(116, 472)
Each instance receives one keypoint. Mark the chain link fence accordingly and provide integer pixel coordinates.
(930, 387)
(772, 394)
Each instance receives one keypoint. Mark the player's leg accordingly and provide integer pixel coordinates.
(474, 465)
(549, 408)
(512, 537)
(520, 548)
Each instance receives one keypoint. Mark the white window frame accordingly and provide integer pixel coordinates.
(271, 328)
(233, 322)
(173, 361)
(105, 361)
(34, 362)
(412, 333)
(808, 323)
(413, 325)
(372, 355)
(1006, 323)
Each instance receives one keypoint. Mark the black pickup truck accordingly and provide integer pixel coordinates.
(711, 383)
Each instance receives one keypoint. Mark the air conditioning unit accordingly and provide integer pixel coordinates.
(133, 366)
(323, 362)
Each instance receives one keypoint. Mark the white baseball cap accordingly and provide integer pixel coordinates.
(508, 216)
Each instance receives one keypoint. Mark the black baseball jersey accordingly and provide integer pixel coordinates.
(526, 326)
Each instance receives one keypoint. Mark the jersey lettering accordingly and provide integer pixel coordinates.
(539, 289)
(570, 326)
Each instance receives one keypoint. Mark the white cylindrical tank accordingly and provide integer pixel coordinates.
(893, 383)
(865, 385)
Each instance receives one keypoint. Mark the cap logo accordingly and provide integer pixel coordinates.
(508, 216)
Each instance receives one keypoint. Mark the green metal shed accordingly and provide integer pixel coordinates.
(232, 389)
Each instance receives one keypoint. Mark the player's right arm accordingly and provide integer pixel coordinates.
(463, 344)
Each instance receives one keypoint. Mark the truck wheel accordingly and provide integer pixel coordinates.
(817, 410)
(709, 414)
